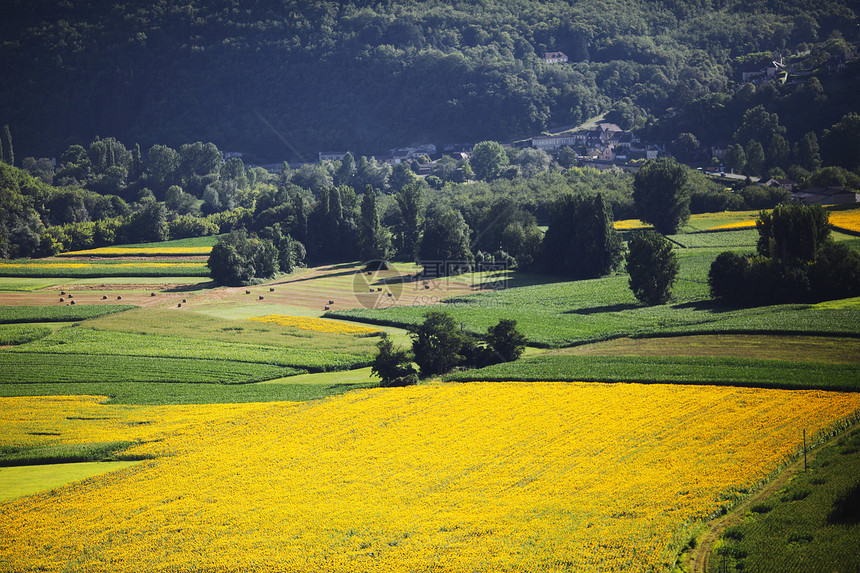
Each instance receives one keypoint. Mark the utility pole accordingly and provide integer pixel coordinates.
(804, 450)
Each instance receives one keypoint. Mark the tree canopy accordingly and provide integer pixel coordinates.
(660, 194)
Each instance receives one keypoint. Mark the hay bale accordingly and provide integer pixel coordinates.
(119, 298)
(261, 297)
(152, 294)
(179, 305)
(73, 302)
(104, 297)
(331, 302)
(325, 308)
(247, 292)
(183, 300)
(271, 289)
(62, 299)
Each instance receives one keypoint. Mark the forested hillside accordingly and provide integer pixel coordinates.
(286, 79)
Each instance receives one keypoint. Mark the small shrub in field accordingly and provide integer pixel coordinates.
(761, 508)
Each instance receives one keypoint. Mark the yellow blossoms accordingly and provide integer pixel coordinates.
(847, 220)
(737, 225)
(317, 324)
(628, 224)
(450, 477)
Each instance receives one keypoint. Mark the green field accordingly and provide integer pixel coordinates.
(26, 480)
(812, 524)
(724, 371)
(11, 334)
(45, 367)
(46, 268)
(24, 314)
(64, 454)
(565, 314)
(728, 240)
(102, 343)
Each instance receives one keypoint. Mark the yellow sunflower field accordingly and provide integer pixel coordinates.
(474, 477)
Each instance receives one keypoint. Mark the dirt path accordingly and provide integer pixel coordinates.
(700, 558)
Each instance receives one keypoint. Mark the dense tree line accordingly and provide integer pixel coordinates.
(796, 261)
(194, 70)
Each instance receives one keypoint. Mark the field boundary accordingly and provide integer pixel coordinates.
(701, 555)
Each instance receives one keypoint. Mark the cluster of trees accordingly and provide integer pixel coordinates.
(439, 346)
(797, 261)
(435, 70)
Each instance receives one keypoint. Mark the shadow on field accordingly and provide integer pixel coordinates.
(317, 277)
(208, 285)
(607, 308)
(706, 305)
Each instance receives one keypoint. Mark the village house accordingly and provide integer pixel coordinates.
(825, 196)
(555, 58)
(332, 155)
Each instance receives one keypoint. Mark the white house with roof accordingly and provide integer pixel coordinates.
(555, 58)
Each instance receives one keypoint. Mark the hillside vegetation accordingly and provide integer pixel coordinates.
(288, 79)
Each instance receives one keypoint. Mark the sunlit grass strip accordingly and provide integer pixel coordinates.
(846, 220)
(317, 324)
(629, 224)
(139, 251)
(481, 477)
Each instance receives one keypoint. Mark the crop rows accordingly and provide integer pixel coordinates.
(723, 239)
(111, 343)
(817, 512)
(479, 477)
(41, 367)
(672, 369)
(11, 334)
(566, 313)
(43, 269)
(21, 314)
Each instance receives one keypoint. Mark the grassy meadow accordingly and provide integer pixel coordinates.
(265, 439)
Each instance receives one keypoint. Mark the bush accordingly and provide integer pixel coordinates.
(505, 341)
(393, 366)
